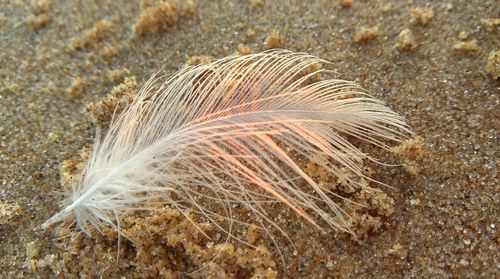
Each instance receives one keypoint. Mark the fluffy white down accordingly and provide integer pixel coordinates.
(218, 131)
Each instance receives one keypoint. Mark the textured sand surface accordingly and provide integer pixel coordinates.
(434, 62)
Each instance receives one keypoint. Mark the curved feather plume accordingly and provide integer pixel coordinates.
(225, 130)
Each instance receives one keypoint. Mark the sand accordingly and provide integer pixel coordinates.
(436, 64)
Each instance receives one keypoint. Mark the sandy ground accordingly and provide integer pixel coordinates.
(56, 57)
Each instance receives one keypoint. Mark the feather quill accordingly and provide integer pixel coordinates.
(227, 128)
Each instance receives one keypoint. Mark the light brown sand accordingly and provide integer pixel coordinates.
(445, 219)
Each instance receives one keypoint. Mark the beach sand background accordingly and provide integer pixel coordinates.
(434, 62)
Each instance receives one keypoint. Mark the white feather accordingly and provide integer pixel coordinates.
(219, 128)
